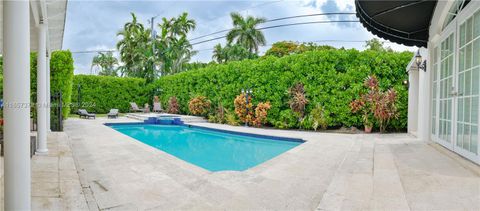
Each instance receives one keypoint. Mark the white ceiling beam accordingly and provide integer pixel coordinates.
(43, 10)
(35, 11)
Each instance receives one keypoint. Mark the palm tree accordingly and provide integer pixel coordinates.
(182, 53)
(182, 25)
(106, 62)
(218, 54)
(174, 48)
(132, 46)
(231, 52)
(245, 32)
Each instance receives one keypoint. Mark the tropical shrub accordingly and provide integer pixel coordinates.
(297, 101)
(173, 106)
(332, 78)
(218, 116)
(386, 108)
(376, 104)
(243, 110)
(199, 106)
(231, 118)
(287, 119)
(319, 118)
(261, 114)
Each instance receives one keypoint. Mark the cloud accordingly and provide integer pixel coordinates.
(93, 25)
(100, 48)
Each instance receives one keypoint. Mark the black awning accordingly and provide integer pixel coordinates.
(404, 22)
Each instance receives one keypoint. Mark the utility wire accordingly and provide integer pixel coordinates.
(93, 51)
(281, 25)
(271, 20)
(278, 19)
(314, 41)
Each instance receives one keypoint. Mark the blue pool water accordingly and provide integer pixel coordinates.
(210, 149)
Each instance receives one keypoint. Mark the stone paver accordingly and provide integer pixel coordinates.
(55, 182)
(328, 172)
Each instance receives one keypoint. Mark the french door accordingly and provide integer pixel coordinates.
(468, 85)
(445, 87)
(456, 82)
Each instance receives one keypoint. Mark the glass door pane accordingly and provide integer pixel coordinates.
(445, 81)
(434, 92)
(468, 83)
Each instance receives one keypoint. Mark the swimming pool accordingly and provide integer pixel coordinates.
(211, 149)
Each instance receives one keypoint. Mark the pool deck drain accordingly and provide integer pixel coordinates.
(328, 172)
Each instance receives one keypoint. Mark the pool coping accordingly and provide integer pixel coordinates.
(278, 138)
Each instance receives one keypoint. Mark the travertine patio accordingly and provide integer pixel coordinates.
(55, 182)
(328, 172)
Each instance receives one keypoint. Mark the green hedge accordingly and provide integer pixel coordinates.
(61, 77)
(33, 77)
(332, 78)
(99, 94)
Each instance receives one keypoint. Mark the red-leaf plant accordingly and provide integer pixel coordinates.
(173, 106)
(376, 104)
(199, 105)
(241, 107)
(261, 112)
(255, 116)
(298, 100)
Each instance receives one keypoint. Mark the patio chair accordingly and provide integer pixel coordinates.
(134, 107)
(85, 114)
(113, 113)
(157, 107)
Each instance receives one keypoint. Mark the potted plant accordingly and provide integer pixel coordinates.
(375, 105)
(363, 106)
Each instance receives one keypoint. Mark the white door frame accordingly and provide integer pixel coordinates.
(449, 30)
(453, 27)
(463, 16)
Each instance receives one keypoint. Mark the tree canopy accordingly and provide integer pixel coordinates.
(245, 32)
(285, 48)
(106, 62)
(376, 45)
(231, 52)
(147, 56)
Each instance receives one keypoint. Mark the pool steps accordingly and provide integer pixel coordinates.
(186, 119)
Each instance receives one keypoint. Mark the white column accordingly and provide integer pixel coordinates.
(16, 92)
(412, 100)
(42, 89)
(48, 91)
(424, 99)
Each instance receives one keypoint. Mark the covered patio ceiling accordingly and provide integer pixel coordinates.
(405, 22)
(53, 13)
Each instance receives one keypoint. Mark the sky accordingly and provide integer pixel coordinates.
(93, 25)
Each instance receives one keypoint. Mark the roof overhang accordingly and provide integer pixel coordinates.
(405, 22)
(52, 13)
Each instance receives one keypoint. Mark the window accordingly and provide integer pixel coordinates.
(457, 6)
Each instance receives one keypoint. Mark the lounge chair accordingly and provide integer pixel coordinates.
(84, 113)
(134, 107)
(113, 113)
(157, 107)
